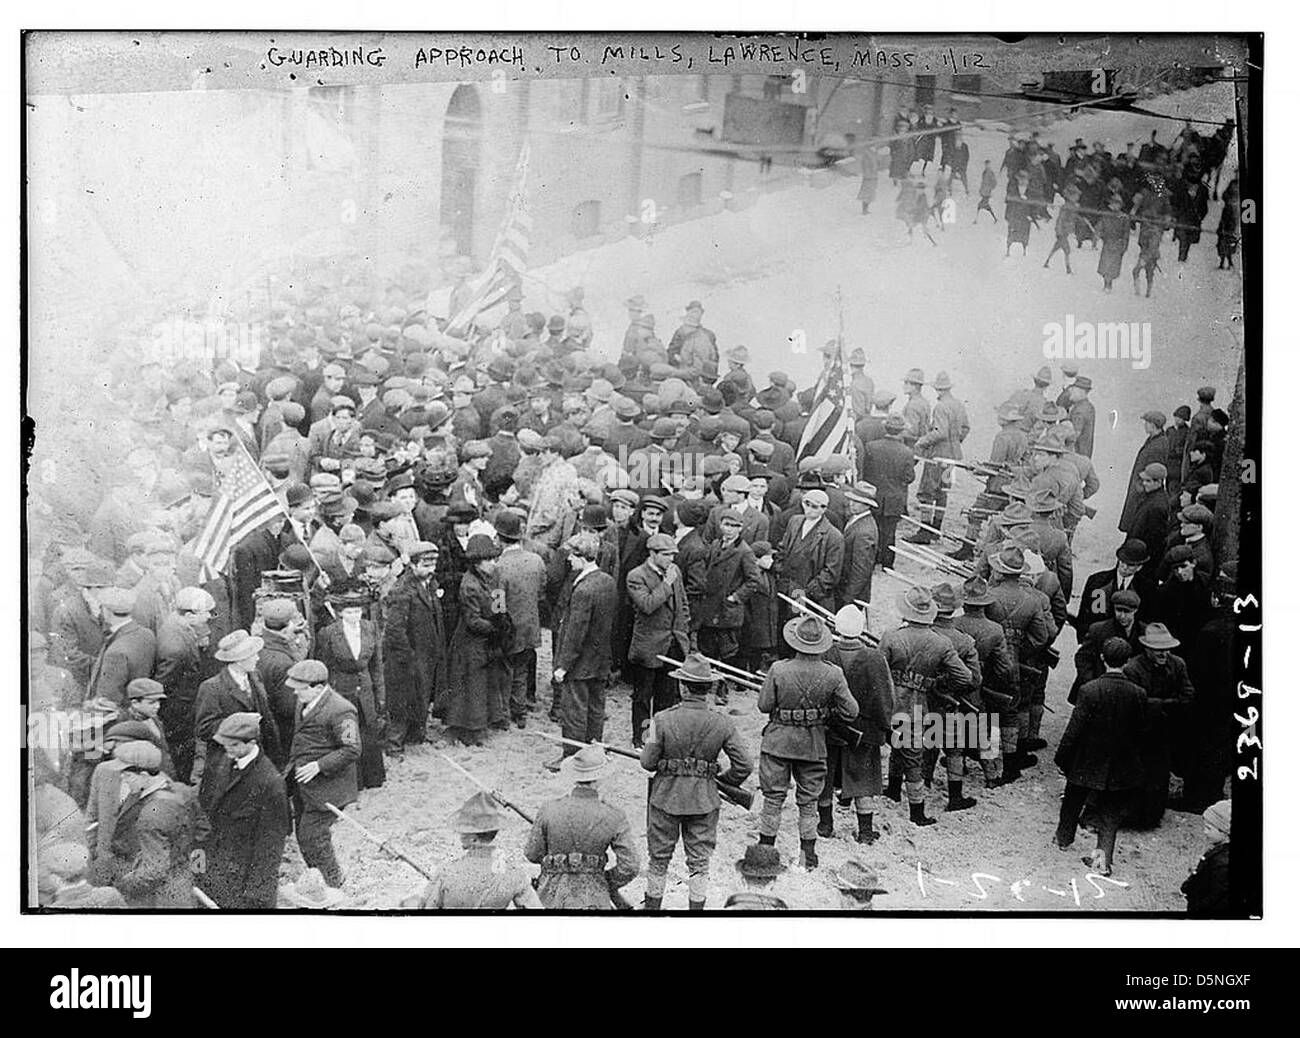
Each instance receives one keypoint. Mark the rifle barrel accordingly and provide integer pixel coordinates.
(382, 844)
(489, 791)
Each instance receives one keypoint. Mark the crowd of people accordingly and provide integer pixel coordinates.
(446, 503)
(1152, 188)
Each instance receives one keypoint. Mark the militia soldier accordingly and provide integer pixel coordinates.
(995, 668)
(1023, 615)
(921, 662)
(799, 696)
(948, 428)
(470, 881)
(916, 409)
(323, 763)
(853, 751)
(572, 837)
(682, 752)
(956, 719)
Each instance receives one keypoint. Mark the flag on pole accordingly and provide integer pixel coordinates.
(244, 502)
(508, 259)
(830, 428)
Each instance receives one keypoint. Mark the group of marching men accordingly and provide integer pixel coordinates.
(445, 501)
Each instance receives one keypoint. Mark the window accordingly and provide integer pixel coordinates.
(966, 84)
(586, 219)
(690, 190)
(701, 89)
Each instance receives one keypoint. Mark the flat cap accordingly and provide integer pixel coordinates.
(145, 688)
(308, 672)
(243, 726)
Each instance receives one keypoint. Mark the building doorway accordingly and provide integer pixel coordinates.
(462, 146)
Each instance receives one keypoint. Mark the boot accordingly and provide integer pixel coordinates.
(652, 904)
(963, 554)
(825, 820)
(1025, 760)
(769, 840)
(1010, 772)
(866, 830)
(920, 537)
(957, 802)
(808, 849)
(917, 811)
(696, 906)
(929, 758)
(1034, 742)
(895, 789)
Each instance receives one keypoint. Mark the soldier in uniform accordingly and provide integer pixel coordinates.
(470, 881)
(1023, 615)
(682, 752)
(921, 662)
(853, 751)
(572, 837)
(948, 428)
(323, 763)
(995, 669)
(957, 716)
(916, 409)
(799, 696)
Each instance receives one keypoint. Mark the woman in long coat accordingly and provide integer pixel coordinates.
(870, 171)
(1114, 229)
(351, 649)
(479, 681)
(1017, 213)
(902, 152)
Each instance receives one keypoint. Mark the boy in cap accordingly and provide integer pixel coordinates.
(571, 839)
(471, 881)
(322, 763)
(799, 695)
(244, 798)
(1208, 888)
(681, 751)
(730, 578)
(157, 825)
(64, 868)
(760, 635)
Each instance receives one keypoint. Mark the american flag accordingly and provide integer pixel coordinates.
(508, 259)
(244, 502)
(830, 425)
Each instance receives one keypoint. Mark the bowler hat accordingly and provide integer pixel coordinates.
(807, 634)
(1133, 552)
(594, 517)
(481, 547)
(509, 525)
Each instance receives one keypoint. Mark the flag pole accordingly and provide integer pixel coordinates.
(848, 391)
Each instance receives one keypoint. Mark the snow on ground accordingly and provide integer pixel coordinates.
(962, 306)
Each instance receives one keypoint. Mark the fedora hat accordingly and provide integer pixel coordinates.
(917, 605)
(238, 645)
(311, 891)
(807, 634)
(479, 814)
(1010, 561)
(1157, 636)
(695, 668)
(587, 765)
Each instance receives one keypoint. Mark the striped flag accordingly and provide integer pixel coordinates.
(508, 259)
(830, 425)
(244, 502)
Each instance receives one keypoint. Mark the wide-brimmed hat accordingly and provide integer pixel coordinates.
(311, 891)
(479, 814)
(946, 597)
(917, 605)
(761, 861)
(1157, 636)
(942, 380)
(807, 634)
(850, 622)
(975, 592)
(855, 877)
(238, 645)
(695, 668)
(587, 765)
(1042, 500)
(1010, 561)
(862, 492)
(1015, 514)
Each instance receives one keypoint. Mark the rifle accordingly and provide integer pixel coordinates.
(737, 795)
(383, 844)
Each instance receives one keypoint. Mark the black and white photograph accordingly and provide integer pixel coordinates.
(644, 473)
